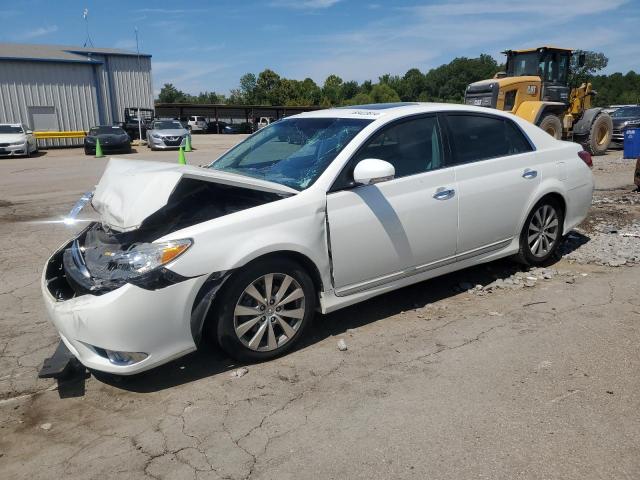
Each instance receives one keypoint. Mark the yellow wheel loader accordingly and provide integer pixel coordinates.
(535, 87)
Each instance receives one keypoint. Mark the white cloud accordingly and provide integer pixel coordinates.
(37, 32)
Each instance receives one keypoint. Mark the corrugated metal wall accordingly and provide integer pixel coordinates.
(68, 87)
(83, 95)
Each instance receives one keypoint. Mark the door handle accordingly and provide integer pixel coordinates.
(444, 193)
(529, 174)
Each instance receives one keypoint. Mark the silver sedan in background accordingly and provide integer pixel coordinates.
(166, 134)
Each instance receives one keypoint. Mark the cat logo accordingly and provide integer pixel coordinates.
(532, 89)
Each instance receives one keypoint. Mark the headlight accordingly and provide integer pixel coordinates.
(145, 257)
(156, 136)
(91, 140)
(21, 142)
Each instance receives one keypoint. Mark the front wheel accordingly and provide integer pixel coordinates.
(264, 309)
(552, 125)
(542, 233)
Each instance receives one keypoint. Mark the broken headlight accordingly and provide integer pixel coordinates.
(145, 257)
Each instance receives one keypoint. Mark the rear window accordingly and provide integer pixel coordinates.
(479, 137)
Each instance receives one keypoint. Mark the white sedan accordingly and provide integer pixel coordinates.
(314, 212)
(17, 139)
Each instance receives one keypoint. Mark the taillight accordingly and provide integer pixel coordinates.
(586, 158)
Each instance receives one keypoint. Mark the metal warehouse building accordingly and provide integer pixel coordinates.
(54, 88)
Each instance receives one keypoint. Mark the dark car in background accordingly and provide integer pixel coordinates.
(624, 117)
(112, 139)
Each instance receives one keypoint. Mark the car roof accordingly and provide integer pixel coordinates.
(385, 111)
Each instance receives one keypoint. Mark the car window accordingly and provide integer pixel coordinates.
(11, 129)
(411, 146)
(480, 137)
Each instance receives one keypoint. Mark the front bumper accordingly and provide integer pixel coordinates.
(109, 147)
(14, 150)
(163, 144)
(127, 319)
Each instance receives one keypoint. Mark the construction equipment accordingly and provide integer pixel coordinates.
(535, 87)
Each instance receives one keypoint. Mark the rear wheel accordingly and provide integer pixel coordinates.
(264, 309)
(600, 135)
(542, 233)
(552, 125)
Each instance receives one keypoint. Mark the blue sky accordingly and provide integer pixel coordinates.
(200, 45)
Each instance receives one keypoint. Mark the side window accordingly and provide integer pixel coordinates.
(411, 147)
(509, 100)
(477, 137)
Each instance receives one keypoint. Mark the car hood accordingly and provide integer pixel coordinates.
(12, 137)
(132, 190)
(171, 133)
(110, 137)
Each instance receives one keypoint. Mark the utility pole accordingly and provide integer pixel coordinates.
(140, 72)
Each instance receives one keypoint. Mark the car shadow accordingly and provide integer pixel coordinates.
(208, 360)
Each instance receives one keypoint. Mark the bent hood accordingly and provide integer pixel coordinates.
(131, 190)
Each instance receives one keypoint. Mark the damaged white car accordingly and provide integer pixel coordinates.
(315, 212)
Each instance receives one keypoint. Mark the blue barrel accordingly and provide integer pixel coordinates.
(632, 143)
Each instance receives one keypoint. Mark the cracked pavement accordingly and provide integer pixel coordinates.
(537, 382)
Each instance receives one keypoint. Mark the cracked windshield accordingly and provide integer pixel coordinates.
(292, 152)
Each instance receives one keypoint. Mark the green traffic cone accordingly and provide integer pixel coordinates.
(187, 144)
(99, 153)
(181, 159)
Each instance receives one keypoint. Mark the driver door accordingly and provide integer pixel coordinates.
(379, 233)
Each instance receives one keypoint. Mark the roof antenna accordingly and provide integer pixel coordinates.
(85, 15)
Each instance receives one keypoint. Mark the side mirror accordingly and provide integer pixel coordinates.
(581, 59)
(372, 170)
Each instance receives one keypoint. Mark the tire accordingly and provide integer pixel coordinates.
(532, 248)
(249, 337)
(28, 150)
(600, 135)
(552, 125)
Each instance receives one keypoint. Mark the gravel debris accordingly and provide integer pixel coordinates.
(45, 426)
(240, 372)
(342, 345)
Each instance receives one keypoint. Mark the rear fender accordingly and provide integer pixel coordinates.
(534, 111)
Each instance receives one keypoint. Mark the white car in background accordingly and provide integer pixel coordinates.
(17, 139)
(315, 212)
(197, 124)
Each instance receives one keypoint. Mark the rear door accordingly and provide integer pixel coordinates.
(496, 174)
(382, 232)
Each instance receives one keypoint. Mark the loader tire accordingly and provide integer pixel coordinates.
(600, 135)
(552, 125)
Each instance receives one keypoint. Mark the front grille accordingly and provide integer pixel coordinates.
(172, 141)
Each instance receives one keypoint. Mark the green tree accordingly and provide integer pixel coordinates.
(383, 93)
(170, 94)
(593, 62)
(331, 90)
(266, 87)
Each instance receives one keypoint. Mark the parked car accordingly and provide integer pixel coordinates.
(216, 127)
(624, 117)
(366, 200)
(197, 124)
(263, 122)
(17, 139)
(112, 139)
(166, 134)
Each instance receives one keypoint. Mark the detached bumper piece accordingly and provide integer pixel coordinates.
(61, 364)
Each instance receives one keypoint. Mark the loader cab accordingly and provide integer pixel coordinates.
(548, 63)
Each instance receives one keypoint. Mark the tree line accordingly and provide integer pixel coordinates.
(446, 83)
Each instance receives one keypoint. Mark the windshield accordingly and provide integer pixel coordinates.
(167, 125)
(11, 129)
(524, 64)
(293, 152)
(626, 112)
(105, 130)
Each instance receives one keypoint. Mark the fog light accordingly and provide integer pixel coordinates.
(125, 358)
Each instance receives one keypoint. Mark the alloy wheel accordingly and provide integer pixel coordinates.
(269, 312)
(543, 231)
